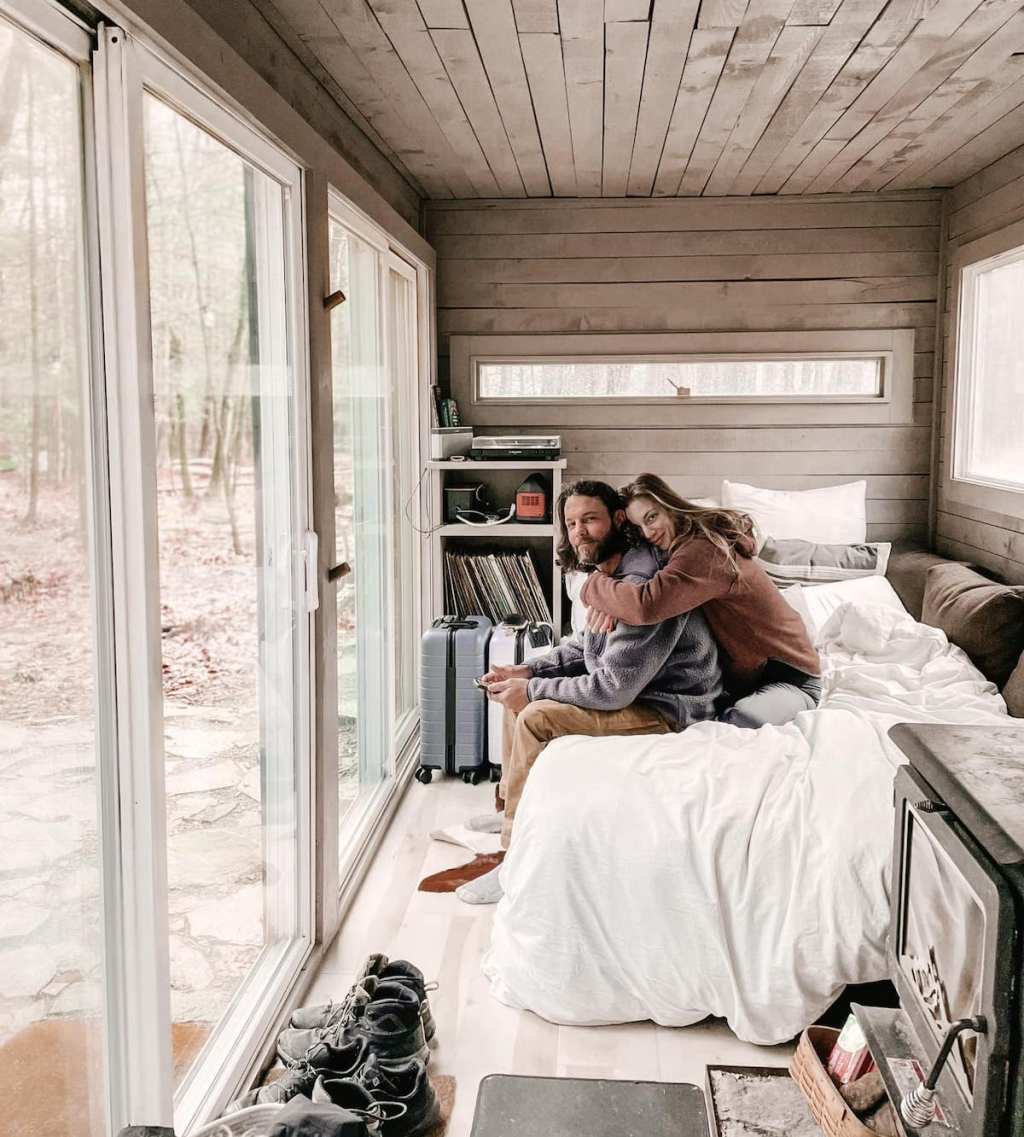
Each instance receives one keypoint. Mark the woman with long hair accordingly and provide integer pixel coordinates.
(772, 670)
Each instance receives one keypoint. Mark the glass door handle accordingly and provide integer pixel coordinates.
(339, 571)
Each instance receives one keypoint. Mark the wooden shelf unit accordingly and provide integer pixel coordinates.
(516, 535)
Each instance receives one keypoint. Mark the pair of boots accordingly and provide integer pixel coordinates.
(365, 1055)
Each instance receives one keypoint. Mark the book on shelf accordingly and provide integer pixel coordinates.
(494, 584)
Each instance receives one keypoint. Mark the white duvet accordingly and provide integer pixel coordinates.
(727, 872)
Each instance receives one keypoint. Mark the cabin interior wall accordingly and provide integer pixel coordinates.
(984, 204)
(780, 264)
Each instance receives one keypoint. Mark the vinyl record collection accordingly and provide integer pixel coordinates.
(496, 585)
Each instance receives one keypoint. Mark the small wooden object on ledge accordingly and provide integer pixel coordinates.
(333, 300)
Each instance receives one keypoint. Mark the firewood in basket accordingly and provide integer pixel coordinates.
(883, 1121)
(865, 1093)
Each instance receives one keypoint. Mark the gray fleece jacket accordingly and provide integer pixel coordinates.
(672, 666)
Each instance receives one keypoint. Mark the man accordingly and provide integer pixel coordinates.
(634, 680)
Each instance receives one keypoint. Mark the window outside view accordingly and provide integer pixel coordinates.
(656, 379)
(51, 994)
(992, 413)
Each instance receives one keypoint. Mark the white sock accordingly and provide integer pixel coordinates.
(486, 822)
(485, 889)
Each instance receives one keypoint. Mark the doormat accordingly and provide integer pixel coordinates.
(450, 879)
(444, 1087)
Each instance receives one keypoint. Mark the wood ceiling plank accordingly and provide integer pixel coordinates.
(404, 26)
(945, 79)
(832, 53)
(928, 56)
(625, 52)
(813, 13)
(494, 28)
(542, 57)
(721, 14)
(582, 38)
(704, 62)
(624, 11)
(536, 16)
(788, 56)
(971, 143)
(321, 34)
(933, 36)
(363, 34)
(672, 24)
(289, 31)
(751, 46)
(996, 65)
(792, 169)
(444, 14)
(457, 50)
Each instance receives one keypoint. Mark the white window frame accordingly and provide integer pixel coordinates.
(893, 348)
(967, 262)
(125, 67)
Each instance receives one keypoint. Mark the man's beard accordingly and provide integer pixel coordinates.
(591, 554)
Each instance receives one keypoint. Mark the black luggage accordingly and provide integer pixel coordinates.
(453, 732)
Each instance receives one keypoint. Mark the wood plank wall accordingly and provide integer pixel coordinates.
(714, 265)
(983, 204)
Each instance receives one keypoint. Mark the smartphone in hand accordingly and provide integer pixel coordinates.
(481, 684)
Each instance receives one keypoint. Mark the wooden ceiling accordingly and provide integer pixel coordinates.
(663, 98)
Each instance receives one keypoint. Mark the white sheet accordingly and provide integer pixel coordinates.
(743, 874)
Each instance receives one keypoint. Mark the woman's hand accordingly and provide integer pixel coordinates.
(499, 674)
(599, 623)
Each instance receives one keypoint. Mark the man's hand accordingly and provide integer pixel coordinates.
(599, 623)
(499, 674)
(511, 693)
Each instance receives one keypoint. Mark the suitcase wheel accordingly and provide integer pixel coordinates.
(471, 777)
(424, 774)
(495, 773)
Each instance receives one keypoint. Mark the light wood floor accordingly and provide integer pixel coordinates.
(446, 938)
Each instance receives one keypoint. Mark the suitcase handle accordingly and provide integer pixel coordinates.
(454, 622)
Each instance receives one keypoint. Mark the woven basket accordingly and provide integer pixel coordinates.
(808, 1070)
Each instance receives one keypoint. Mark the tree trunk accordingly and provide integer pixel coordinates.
(31, 512)
(182, 440)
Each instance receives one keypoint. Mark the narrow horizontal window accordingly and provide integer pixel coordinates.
(775, 379)
(989, 408)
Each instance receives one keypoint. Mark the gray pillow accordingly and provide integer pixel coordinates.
(983, 618)
(792, 561)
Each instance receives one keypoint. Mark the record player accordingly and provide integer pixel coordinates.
(504, 448)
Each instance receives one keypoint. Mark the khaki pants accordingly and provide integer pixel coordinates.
(526, 734)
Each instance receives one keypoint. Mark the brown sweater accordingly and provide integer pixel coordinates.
(746, 613)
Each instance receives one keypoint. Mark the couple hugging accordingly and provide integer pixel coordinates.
(683, 626)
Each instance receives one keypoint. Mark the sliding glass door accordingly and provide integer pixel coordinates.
(232, 603)
(375, 463)
(52, 704)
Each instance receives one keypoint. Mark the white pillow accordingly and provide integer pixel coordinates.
(816, 602)
(835, 515)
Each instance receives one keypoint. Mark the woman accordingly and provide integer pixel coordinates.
(772, 670)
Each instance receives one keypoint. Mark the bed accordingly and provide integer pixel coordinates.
(740, 874)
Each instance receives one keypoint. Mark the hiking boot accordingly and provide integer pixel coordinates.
(382, 1117)
(322, 1058)
(384, 1015)
(408, 1084)
(380, 967)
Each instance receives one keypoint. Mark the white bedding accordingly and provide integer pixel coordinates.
(728, 872)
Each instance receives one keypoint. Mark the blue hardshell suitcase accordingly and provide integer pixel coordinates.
(453, 711)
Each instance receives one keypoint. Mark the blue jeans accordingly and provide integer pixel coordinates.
(783, 693)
